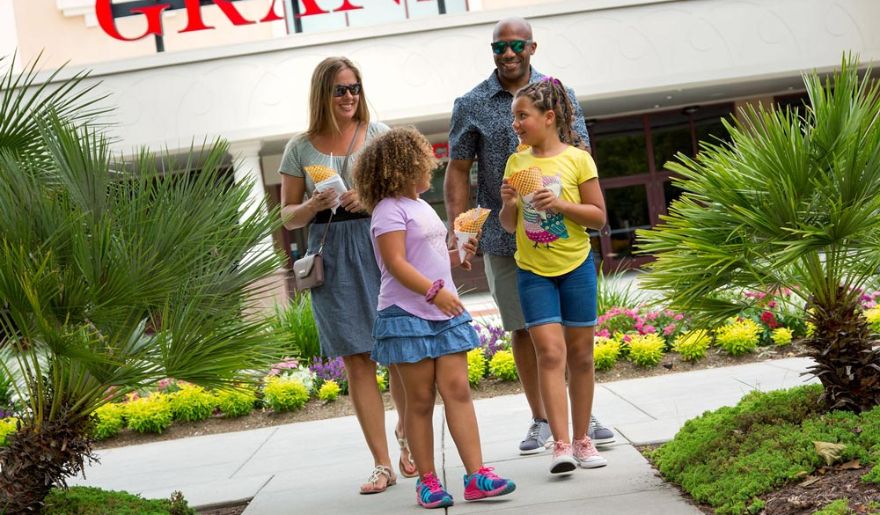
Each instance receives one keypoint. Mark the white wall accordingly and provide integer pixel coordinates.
(8, 34)
(605, 49)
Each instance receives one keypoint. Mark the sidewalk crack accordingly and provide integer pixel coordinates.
(624, 399)
(249, 458)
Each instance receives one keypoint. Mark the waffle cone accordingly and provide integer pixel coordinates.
(527, 181)
(319, 173)
(522, 146)
(471, 220)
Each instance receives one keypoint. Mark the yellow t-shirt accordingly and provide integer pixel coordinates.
(549, 244)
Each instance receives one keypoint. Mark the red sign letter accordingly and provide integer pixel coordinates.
(347, 7)
(153, 13)
(271, 16)
(194, 15)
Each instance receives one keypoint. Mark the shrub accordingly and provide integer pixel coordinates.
(476, 360)
(605, 353)
(191, 403)
(646, 350)
(296, 325)
(7, 427)
(382, 379)
(738, 337)
(331, 370)
(781, 336)
(82, 500)
(235, 402)
(149, 414)
(873, 317)
(503, 366)
(109, 419)
(493, 337)
(329, 391)
(692, 345)
(283, 394)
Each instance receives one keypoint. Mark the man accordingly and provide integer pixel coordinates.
(481, 129)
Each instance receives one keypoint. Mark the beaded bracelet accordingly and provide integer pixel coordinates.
(434, 290)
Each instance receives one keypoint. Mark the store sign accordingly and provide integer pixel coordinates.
(153, 15)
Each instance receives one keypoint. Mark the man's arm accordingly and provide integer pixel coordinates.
(579, 125)
(456, 191)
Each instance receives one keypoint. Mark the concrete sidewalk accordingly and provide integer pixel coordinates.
(316, 467)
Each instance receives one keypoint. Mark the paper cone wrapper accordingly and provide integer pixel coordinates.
(335, 183)
(462, 237)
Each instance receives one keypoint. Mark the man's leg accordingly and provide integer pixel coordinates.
(501, 274)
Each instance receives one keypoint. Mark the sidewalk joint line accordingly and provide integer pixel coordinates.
(624, 399)
(274, 430)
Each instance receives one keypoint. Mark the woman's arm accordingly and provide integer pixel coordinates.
(392, 249)
(294, 212)
(590, 212)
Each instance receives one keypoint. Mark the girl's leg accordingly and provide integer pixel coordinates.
(368, 406)
(398, 395)
(452, 381)
(418, 381)
(550, 349)
(581, 377)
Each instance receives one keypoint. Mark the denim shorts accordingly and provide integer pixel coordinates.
(568, 299)
(401, 337)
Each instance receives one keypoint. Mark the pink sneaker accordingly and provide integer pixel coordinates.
(586, 454)
(563, 462)
(486, 483)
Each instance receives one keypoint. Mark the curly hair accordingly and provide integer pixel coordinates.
(390, 164)
(550, 94)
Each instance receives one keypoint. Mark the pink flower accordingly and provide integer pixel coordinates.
(163, 384)
(669, 329)
(627, 338)
(652, 316)
(771, 304)
(604, 333)
(678, 317)
(768, 318)
(648, 329)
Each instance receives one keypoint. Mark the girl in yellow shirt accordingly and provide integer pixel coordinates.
(550, 194)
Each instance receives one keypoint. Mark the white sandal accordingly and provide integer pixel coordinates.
(371, 486)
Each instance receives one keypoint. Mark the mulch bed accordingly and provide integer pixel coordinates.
(818, 490)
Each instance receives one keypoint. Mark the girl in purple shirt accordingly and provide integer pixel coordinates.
(422, 326)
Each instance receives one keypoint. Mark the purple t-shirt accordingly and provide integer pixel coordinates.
(425, 250)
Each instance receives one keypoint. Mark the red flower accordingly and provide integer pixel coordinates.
(768, 318)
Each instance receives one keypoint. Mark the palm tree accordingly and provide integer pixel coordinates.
(112, 277)
(793, 201)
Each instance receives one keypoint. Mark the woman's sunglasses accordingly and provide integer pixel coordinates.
(517, 45)
(340, 89)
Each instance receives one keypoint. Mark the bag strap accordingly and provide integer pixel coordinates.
(344, 168)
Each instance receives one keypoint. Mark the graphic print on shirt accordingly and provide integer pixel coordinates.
(544, 227)
(435, 234)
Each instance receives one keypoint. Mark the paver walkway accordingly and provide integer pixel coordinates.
(315, 467)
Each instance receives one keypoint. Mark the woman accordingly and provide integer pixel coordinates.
(345, 306)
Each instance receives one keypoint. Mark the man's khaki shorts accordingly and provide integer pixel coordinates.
(501, 273)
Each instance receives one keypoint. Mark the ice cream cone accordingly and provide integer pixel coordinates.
(526, 181)
(319, 173)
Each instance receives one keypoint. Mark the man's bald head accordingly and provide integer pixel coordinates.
(516, 25)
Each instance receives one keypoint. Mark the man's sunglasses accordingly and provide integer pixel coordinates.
(340, 89)
(517, 45)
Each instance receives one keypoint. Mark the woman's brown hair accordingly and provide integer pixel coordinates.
(321, 119)
(390, 163)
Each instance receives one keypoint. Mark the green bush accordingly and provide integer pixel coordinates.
(109, 419)
(82, 500)
(8, 426)
(728, 457)
(284, 394)
(476, 361)
(191, 403)
(236, 402)
(381, 379)
(646, 350)
(739, 337)
(873, 317)
(330, 390)
(503, 366)
(605, 353)
(781, 336)
(149, 414)
(692, 345)
(838, 507)
(296, 326)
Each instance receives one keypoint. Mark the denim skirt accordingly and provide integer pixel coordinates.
(400, 337)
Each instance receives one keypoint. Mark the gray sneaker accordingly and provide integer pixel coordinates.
(536, 438)
(599, 434)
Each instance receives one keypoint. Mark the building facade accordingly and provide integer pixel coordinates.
(653, 76)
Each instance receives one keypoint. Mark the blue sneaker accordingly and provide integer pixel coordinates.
(536, 438)
(430, 493)
(485, 483)
(599, 434)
